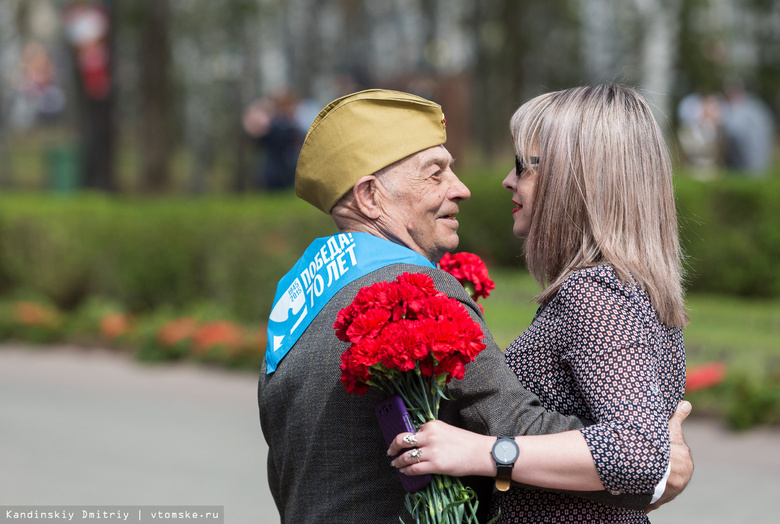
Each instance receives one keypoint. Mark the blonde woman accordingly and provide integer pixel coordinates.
(592, 194)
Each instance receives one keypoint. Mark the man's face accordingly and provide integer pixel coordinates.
(422, 196)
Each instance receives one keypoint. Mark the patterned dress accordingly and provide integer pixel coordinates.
(598, 351)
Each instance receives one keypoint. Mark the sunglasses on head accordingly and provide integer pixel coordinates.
(520, 165)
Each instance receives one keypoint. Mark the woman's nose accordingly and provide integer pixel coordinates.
(510, 182)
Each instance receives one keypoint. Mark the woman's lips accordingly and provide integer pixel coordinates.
(518, 207)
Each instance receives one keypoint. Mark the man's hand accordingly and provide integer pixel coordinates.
(681, 461)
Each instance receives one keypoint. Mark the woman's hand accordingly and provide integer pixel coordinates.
(559, 461)
(443, 449)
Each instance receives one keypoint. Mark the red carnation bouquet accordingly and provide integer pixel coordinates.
(407, 338)
(470, 271)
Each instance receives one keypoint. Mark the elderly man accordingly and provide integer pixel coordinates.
(375, 162)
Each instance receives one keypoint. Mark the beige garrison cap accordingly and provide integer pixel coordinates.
(359, 134)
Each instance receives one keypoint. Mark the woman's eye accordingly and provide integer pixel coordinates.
(519, 167)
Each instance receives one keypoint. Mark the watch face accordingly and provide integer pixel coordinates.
(505, 451)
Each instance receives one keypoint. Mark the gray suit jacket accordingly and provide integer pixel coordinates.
(327, 459)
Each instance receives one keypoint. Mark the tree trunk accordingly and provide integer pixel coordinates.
(155, 95)
(659, 43)
(7, 43)
(97, 100)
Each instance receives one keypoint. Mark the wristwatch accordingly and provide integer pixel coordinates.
(505, 452)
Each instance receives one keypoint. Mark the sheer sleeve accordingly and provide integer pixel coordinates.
(615, 367)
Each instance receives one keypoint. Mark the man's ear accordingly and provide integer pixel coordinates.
(365, 193)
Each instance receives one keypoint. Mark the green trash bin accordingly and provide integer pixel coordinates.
(64, 168)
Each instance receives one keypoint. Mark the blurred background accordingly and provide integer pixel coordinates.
(142, 96)
(147, 154)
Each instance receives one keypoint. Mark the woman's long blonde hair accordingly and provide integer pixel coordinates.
(604, 193)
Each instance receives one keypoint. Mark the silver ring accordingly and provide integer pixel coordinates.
(411, 439)
(416, 453)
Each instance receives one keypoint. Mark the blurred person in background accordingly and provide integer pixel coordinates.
(36, 83)
(748, 128)
(699, 132)
(278, 125)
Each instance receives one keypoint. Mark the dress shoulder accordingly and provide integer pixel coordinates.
(595, 282)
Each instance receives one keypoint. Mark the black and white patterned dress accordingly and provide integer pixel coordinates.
(598, 351)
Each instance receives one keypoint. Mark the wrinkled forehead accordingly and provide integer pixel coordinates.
(416, 164)
(437, 155)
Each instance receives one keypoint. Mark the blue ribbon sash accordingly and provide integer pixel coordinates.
(327, 265)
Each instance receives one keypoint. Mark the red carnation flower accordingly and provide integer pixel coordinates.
(402, 326)
(470, 271)
(367, 325)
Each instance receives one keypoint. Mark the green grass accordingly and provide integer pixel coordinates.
(743, 333)
(510, 307)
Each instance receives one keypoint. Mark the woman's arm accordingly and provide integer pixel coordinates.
(452, 451)
(616, 375)
(627, 370)
(486, 405)
(559, 461)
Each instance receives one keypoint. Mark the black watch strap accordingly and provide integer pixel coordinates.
(504, 476)
(505, 452)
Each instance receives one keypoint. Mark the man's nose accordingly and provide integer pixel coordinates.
(459, 191)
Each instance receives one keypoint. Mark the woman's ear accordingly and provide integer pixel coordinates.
(365, 193)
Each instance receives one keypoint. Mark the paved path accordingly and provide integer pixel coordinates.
(736, 478)
(96, 428)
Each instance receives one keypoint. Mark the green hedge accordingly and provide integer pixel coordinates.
(231, 250)
(730, 231)
(152, 253)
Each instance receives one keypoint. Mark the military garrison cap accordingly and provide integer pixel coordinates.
(359, 134)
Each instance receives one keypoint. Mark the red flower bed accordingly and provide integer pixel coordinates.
(32, 314)
(177, 331)
(216, 334)
(705, 376)
(114, 325)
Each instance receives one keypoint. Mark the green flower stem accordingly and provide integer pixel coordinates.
(445, 500)
(426, 394)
